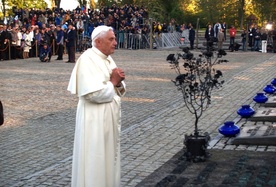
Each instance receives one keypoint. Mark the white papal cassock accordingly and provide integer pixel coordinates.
(96, 155)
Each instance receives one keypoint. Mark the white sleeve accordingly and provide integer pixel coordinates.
(104, 95)
(121, 90)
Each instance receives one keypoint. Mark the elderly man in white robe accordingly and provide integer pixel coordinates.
(98, 82)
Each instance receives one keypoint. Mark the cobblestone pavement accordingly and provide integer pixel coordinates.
(37, 137)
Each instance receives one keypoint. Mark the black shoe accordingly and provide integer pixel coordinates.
(59, 59)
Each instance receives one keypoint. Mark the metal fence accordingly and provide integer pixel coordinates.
(138, 41)
(124, 41)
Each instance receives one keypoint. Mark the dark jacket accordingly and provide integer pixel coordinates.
(45, 38)
(192, 34)
(60, 37)
(71, 38)
(3, 36)
(257, 36)
(43, 53)
(209, 35)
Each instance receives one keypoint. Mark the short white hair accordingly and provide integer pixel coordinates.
(99, 32)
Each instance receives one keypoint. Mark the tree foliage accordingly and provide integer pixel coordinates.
(92, 4)
(105, 2)
(3, 7)
(264, 10)
(38, 4)
(233, 12)
(57, 3)
(82, 2)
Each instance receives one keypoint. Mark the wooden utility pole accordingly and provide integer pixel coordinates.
(151, 37)
(197, 29)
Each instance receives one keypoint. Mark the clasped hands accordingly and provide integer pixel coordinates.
(117, 76)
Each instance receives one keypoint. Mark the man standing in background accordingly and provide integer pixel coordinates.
(191, 37)
(220, 39)
(224, 27)
(59, 41)
(232, 32)
(70, 40)
(217, 28)
(209, 33)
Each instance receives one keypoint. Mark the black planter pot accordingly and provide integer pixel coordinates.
(196, 147)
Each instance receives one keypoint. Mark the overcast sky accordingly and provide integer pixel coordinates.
(66, 4)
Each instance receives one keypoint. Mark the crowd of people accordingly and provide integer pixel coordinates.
(28, 31)
(36, 33)
(256, 38)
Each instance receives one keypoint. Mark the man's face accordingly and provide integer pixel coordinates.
(107, 43)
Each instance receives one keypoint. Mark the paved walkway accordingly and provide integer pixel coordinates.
(37, 137)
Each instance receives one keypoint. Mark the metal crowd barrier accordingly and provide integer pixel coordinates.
(136, 41)
(124, 41)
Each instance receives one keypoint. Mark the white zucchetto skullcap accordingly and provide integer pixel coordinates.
(98, 30)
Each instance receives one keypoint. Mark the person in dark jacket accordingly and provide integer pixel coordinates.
(45, 53)
(257, 39)
(209, 33)
(70, 40)
(44, 38)
(59, 41)
(4, 38)
(243, 36)
(191, 37)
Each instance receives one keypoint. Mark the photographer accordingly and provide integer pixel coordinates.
(45, 53)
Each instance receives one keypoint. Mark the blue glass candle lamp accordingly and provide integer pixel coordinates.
(246, 111)
(260, 98)
(269, 89)
(229, 129)
(273, 82)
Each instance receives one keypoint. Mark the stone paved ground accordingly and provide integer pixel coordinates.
(37, 137)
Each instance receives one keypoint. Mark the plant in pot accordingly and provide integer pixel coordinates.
(196, 80)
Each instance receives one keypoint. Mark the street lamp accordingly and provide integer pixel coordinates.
(269, 44)
(268, 26)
